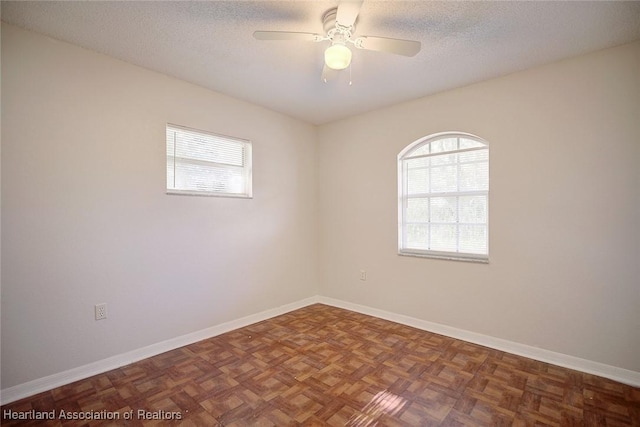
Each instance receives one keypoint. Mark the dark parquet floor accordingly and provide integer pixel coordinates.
(322, 365)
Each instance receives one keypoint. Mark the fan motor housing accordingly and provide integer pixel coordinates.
(329, 20)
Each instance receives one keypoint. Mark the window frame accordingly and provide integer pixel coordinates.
(403, 197)
(247, 168)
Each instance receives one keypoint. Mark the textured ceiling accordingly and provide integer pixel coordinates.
(210, 43)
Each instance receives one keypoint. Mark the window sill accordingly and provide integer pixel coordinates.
(444, 257)
(172, 192)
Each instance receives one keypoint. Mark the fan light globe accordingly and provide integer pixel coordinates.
(337, 56)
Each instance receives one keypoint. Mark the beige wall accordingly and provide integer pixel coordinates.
(85, 217)
(564, 271)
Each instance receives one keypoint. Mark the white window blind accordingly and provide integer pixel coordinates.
(443, 203)
(202, 163)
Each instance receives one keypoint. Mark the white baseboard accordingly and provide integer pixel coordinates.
(621, 375)
(39, 385)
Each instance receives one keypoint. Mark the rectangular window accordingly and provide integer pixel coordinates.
(203, 163)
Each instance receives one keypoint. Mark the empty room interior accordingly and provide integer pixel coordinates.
(392, 213)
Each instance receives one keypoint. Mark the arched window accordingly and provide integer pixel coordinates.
(443, 197)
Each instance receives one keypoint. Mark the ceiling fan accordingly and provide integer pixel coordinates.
(339, 27)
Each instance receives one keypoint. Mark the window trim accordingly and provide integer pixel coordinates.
(247, 169)
(403, 197)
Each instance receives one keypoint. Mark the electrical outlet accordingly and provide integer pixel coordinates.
(101, 311)
(363, 275)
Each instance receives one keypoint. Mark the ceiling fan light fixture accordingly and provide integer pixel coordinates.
(337, 56)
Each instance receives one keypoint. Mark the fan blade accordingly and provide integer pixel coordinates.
(286, 35)
(383, 44)
(348, 12)
(328, 73)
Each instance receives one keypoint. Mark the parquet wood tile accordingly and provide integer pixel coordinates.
(324, 366)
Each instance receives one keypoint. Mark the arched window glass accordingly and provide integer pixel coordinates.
(443, 197)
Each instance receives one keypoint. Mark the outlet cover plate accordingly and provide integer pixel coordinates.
(101, 311)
